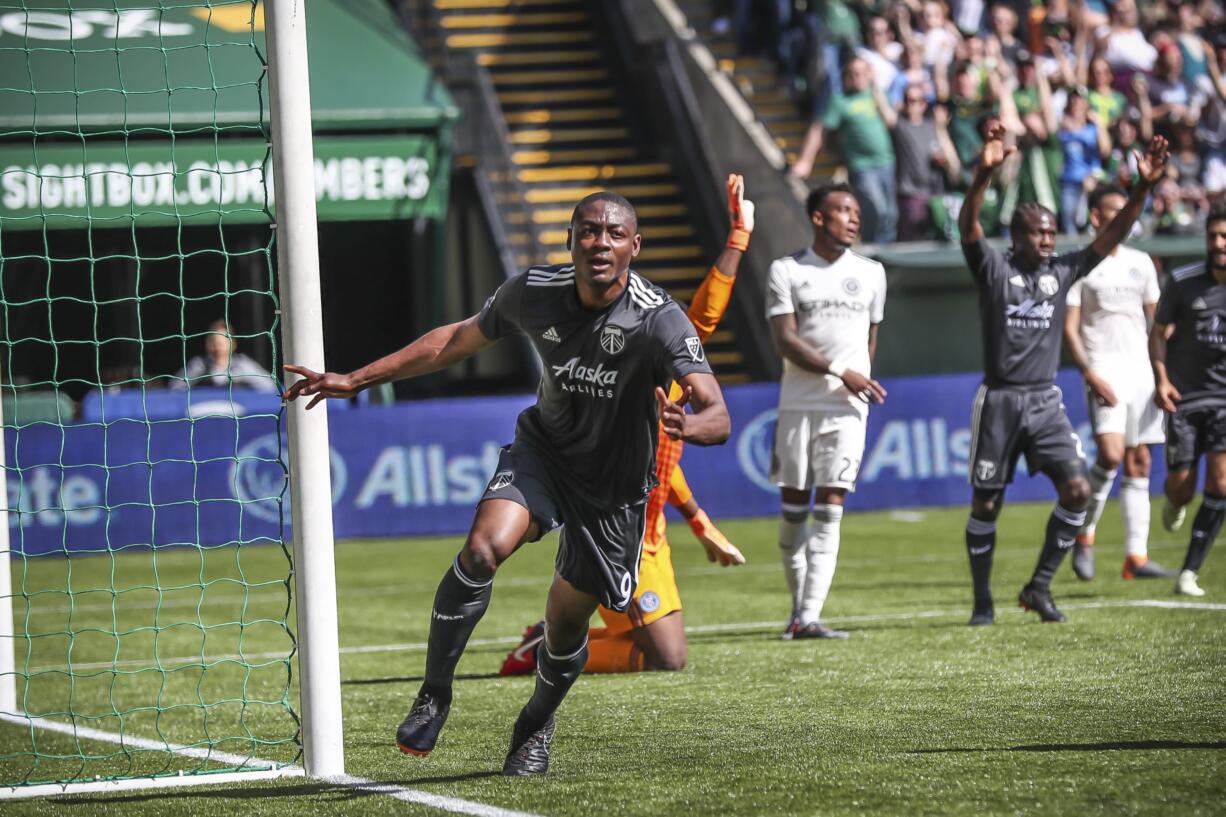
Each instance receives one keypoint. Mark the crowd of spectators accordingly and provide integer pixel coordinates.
(905, 89)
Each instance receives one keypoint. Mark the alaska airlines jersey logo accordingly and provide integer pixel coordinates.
(1030, 314)
(612, 339)
(576, 378)
(1209, 329)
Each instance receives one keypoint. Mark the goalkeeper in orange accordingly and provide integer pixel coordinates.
(650, 635)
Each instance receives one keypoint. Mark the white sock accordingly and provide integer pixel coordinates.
(793, 531)
(1100, 487)
(1134, 505)
(823, 552)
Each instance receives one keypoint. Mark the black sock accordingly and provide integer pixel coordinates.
(1205, 527)
(555, 675)
(980, 542)
(1062, 528)
(459, 603)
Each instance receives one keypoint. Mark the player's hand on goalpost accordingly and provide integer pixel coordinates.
(1101, 389)
(740, 213)
(322, 385)
(672, 415)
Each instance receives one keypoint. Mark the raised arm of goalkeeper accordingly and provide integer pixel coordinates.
(711, 300)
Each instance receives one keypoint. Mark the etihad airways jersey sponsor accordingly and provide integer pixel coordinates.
(1112, 299)
(1021, 311)
(834, 302)
(595, 416)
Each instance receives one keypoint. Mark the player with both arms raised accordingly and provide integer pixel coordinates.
(582, 458)
(1018, 408)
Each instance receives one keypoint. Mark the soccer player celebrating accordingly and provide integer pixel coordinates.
(824, 306)
(582, 457)
(650, 633)
(1106, 332)
(1187, 348)
(1018, 409)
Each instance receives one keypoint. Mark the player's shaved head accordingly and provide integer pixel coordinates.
(609, 197)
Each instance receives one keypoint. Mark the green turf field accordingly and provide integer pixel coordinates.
(1120, 711)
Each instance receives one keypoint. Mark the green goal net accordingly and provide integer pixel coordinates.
(151, 583)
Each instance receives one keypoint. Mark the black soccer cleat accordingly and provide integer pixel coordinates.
(983, 615)
(1039, 599)
(1143, 567)
(1083, 559)
(815, 630)
(419, 731)
(529, 754)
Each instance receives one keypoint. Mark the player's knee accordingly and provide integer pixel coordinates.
(670, 659)
(986, 505)
(1075, 493)
(482, 555)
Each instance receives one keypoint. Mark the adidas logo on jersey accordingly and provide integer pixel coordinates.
(551, 334)
(1199, 303)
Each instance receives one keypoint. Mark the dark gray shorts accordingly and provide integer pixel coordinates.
(1006, 423)
(599, 550)
(1192, 433)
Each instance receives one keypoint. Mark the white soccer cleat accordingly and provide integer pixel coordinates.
(1173, 515)
(1186, 584)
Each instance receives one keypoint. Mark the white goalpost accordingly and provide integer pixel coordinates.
(314, 639)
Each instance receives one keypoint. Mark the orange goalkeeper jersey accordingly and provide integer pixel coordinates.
(709, 305)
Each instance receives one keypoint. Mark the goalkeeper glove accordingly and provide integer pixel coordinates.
(740, 211)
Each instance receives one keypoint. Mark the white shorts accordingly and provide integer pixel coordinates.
(817, 449)
(1134, 415)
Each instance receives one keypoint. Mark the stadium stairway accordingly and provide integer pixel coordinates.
(571, 135)
(759, 82)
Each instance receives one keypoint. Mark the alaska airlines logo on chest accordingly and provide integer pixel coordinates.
(594, 381)
(1030, 314)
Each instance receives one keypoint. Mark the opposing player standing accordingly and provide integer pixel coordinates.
(824, 306)
(1018, 408)
(1187, 347)
(582, 458)
(650, 633)
(1106, 331)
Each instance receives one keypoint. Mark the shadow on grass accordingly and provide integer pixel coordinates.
(1109, 746)
(331, 791)
(414, 679)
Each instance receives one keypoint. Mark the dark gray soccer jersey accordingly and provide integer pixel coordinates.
(1021, 313)
(1195, 304)
(596, 416)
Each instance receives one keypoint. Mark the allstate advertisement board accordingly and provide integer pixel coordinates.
(418, 468)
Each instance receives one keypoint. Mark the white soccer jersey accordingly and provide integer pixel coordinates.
(1112, 300)
(834, 304)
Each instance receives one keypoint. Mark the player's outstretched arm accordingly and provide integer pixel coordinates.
(709, 424)
(435, 350)
(713, 541)
(713, 295)
(1150, 169)
(991, 156)
(1165, 393)
(792, 346)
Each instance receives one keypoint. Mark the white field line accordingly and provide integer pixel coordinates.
(693, 628)
(266, 769)
(230, 600)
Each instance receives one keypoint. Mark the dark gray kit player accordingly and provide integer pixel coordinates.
(1018, 409)
(1194, 303)
(584, 455)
